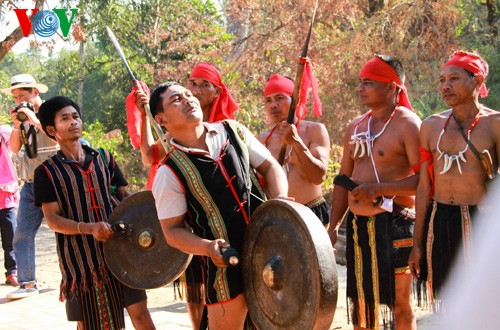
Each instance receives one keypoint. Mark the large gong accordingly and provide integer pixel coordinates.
(289, 268)
(138, 255)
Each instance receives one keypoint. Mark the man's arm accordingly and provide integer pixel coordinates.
(276, 182)
(122, 192)
(496, 135)
(15, 137)
(421, 205)
(179, 237)
(314, 158)
(101, 230)
(340, 201)
(147, 139)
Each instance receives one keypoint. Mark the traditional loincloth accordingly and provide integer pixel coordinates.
(100, 307)
(319, 206)
(377, 249)
(195, 292)
(447, 228)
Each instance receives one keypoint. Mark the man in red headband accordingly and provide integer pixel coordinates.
(460, 154)
(215, 99)
(380, 148)
(217, 104)
(307, 146)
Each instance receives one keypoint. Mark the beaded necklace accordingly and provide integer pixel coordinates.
(364, 140)
(449, 159)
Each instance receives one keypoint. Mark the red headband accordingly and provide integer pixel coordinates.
(378, 70)
(280, 84)
(473, 63)
(224, 106)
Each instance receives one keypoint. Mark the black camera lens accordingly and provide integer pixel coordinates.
(22, 116)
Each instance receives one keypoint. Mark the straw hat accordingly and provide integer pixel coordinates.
(24, 81)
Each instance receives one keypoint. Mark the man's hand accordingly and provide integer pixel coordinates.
(102, 231)
(215, 253)
(333, 233)
(414, 261)
(288, 133)
(30, 115)
(141, 98)
(13, 116)
(366, 192)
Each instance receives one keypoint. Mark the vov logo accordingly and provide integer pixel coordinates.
(45, 22)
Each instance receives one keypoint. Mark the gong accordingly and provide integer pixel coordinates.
(138, 254)
(289, 268)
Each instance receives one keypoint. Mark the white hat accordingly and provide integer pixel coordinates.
(24, 81)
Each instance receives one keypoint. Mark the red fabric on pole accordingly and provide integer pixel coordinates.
(134, 120)
(308, 81)
(224, 106)
(378, 70)
(473, 63)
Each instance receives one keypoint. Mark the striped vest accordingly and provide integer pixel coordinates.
(83, 195)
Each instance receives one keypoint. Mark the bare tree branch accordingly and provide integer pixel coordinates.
(9, 42)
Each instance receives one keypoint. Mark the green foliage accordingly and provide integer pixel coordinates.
(333, 170)
(477, 33)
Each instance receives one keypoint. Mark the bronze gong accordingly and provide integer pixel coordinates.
(138, 254)
(289, 268)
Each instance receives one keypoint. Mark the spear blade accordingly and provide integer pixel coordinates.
(120, 52)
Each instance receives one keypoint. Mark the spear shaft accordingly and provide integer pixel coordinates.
(136, 83)
(297, 83)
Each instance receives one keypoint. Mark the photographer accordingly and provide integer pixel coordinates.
(27, 134)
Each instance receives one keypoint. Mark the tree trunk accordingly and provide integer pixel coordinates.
(237, 25)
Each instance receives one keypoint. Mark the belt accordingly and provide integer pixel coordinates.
(315, 202)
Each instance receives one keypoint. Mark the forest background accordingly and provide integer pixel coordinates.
(246, 40)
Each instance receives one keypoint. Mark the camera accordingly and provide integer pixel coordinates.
(22, 116)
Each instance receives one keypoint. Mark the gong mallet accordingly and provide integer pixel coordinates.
(347, 183)
(136, 83)
(231, 256)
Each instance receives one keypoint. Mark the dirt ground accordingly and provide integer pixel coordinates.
(163, 299)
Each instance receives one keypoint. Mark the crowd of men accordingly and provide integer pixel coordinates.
(419, 185)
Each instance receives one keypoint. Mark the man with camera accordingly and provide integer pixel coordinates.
(27, 134)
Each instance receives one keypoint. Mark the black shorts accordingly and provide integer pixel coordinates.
(130, 296)
(194, 281)
(319, 206)
(377, 249)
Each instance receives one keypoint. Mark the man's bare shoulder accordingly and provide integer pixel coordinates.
(406, 115)
(492, 116)
(312, 125)
(436, 119)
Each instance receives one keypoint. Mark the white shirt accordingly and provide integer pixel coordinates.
(169, 194)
